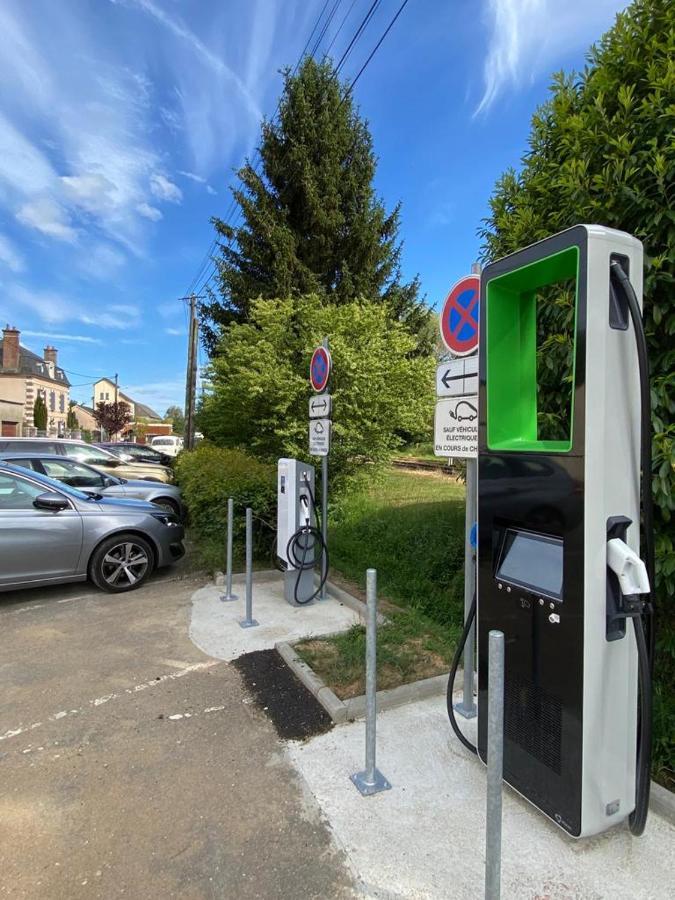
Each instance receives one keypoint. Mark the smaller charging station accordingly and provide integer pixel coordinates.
(297, 535)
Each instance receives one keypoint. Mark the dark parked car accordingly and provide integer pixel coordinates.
(136, 452)
(51, 533)
(92, 481)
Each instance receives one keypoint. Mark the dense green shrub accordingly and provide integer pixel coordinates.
(207, 477)
(601, 151)
(259, 383)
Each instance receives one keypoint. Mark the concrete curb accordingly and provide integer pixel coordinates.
(662, 801)
(359, 607)
(355, 708)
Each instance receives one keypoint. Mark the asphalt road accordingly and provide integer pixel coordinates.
(132, 764)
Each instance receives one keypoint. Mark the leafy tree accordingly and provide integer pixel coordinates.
(175, 415)
(71, 419)
(259, 382)
(311, 221)
(40, 413)
(112, 416)
(601, 150)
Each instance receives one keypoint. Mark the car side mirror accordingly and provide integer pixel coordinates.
(51, 501)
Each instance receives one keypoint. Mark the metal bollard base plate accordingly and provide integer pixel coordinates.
(367, 786)
(469, 713)
(248, 623)
(228, 598)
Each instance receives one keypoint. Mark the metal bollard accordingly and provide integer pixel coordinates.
(371, 780)
(228, 595)
(495, 766)
(249, 621)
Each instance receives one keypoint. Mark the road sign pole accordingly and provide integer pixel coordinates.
(467, 707)
(323, 595)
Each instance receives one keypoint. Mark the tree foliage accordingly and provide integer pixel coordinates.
(311, 221)
(40, 413)
(72, 423)
(175, 415)
(112, 416)
(259, 382)
(602, 150)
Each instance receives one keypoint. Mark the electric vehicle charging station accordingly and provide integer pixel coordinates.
(558, 567)
(295, 524)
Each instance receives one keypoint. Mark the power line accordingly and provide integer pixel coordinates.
(357, 34)
(377, 45)
(341, 26)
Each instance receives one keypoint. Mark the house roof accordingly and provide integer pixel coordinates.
(144, 412)
(32, 364)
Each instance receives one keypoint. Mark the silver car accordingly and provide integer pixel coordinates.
(51, 533)
(92, 481)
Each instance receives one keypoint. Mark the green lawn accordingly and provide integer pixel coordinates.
(410, 527)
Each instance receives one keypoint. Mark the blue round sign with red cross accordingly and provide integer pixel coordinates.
(319, 369)
(459, 316)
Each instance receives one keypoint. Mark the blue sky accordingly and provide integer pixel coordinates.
(121, 122)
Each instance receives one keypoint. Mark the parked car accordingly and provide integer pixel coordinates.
(170, 444)
(130, 452)
(90, 480)
(51, 533)
(97, 457)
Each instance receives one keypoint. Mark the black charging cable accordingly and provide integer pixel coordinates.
(644, 624)
(301, 547)
(453, 673)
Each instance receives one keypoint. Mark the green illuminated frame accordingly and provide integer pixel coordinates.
(511, 343)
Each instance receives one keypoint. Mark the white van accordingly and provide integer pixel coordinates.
(166, 443)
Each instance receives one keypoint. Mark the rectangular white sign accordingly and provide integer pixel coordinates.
(456, 427)
(320, 406)
(319, 437)
(457, 377)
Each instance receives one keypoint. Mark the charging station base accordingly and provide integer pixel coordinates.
(305, 587)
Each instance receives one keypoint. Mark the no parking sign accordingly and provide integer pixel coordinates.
(459, 317)
(319, 369)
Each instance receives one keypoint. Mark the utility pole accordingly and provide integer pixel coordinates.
(116, 400)
(191, 378)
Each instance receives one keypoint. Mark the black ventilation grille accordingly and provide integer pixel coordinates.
(533, 720)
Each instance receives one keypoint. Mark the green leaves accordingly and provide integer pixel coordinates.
(382, 390)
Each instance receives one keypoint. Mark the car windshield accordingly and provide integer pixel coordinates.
(163, 442)
(50, 484)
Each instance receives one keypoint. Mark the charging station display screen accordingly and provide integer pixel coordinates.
(532, 561)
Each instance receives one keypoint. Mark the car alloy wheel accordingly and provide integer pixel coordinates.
(124, 564)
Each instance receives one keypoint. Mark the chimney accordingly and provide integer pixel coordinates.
(51, 354)
(10, 348)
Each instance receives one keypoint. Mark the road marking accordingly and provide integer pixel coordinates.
(106, 698)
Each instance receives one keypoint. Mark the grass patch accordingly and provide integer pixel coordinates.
(409, 647)
(410, 527)
(424, 450)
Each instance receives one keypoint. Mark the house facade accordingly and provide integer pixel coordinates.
(145, 422)
(23, 377)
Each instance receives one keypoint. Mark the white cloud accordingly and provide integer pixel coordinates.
(55, 309)
(175, 332)
(192, 177)
(149, 212)
(210, 190)
(161, 394)
(164, 189)
(528, 37)
(101, 261)
(50, 335)
(47, 217)
(92, 192)
(10, 256)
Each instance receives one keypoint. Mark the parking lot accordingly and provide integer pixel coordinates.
(134, 764)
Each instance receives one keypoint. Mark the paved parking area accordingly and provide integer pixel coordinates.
(133, 764)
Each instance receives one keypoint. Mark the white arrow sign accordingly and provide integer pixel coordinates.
(456, 427)
(320, 406)
(457, 377)
(319, 437)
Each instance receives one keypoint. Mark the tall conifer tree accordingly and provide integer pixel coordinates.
(311, 222)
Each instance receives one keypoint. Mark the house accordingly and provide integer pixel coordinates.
(23, 377)
(85, 417)
(145, 422)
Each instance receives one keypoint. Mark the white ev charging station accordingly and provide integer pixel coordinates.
(558, 564)
(297, 535)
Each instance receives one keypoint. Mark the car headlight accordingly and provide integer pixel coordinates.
(166, 518)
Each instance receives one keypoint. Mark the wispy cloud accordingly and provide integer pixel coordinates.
(54, 308)
(149, 212)
(175, 332)
(52, 336)
(531, 36)
(161, 394)
(10, 256)
(48, 217)
(164, 189)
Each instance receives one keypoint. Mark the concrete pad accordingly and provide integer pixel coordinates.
(425, 838)
(214, 625)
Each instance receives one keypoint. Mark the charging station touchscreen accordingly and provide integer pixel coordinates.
(532, 561)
